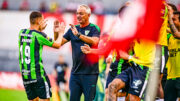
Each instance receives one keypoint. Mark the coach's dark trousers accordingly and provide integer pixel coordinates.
(80, 83)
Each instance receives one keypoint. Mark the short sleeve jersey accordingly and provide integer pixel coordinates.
(60, 68)
(174, 57)
(81, 63)
(31, 44)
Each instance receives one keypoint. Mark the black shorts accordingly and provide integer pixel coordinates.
(135, 78)
(164, 59)
(172, 90)
(38, 88)
(60, 80)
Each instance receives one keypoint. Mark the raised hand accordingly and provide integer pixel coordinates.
(42, 25)
(74, 30)
(59, 28)
(109, 59)
(86, 49)
(56, 26)
(170, 11)
(62, 28)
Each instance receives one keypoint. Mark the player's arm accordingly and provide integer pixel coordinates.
(56, 29)
(86, 39)
(44, 40)
(174, 30)
(86, 49)
(60, 32)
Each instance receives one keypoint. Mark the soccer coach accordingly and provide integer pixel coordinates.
(84, 73)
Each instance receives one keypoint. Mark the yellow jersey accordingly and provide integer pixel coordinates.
(173, 63)
(144, 52)
(163, 33)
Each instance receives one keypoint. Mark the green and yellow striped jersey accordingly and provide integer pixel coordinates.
(30, 53)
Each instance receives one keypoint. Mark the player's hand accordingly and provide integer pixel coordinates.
(74, 30)
(108, 59)
(170, 11)
(56, 26)
(62, 28)
(42, 25)
(124, 55)
(86, 49)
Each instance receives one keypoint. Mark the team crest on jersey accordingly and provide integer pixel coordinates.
(136, 83)
(87, 32)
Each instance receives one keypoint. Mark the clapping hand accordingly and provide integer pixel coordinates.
(74, 30)
(86, 49)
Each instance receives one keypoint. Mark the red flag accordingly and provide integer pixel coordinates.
(141, 20)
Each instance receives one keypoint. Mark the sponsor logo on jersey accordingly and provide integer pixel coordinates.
(87, 32)
(25, 72)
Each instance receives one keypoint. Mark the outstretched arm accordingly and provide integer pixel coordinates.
(56, 32)
(60, 31)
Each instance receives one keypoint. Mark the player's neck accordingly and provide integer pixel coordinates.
(84, 25)
(34, 27)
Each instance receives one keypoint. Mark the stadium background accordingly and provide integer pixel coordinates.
(15, 18)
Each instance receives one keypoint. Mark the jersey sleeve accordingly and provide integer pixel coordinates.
(67, 35)
(43, 39)
(96, 31)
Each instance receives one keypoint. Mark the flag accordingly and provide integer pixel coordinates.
(141, 20)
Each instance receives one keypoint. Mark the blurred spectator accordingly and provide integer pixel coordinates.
(60, 70)
(58, 10)
(24, 5)
(4, 5)
(53, 6)
(98, 7)
(179, 6)
(72, 6)
(91, 7)
(43, 7)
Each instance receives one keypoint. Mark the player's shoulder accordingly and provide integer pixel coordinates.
(78, 25)
(95, 27)
(39, 33)
(22, 30)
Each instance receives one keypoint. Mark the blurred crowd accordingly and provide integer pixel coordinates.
(96, 7)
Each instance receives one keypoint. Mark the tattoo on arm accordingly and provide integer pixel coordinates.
(172, 26)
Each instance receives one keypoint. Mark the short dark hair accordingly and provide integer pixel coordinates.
(173, 6)
(178, 13)
(33, 16)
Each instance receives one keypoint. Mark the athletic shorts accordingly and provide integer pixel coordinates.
(172, 89)
(38, 88)
(135, 78)
(164, 59)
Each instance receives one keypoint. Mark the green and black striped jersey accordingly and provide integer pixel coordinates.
(30, 53)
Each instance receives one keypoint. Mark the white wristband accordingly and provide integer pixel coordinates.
(130, 57)
(110, 56)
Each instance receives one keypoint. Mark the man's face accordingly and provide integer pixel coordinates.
(176, 21)
(82, 16)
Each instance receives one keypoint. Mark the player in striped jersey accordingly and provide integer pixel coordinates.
(31, 42)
